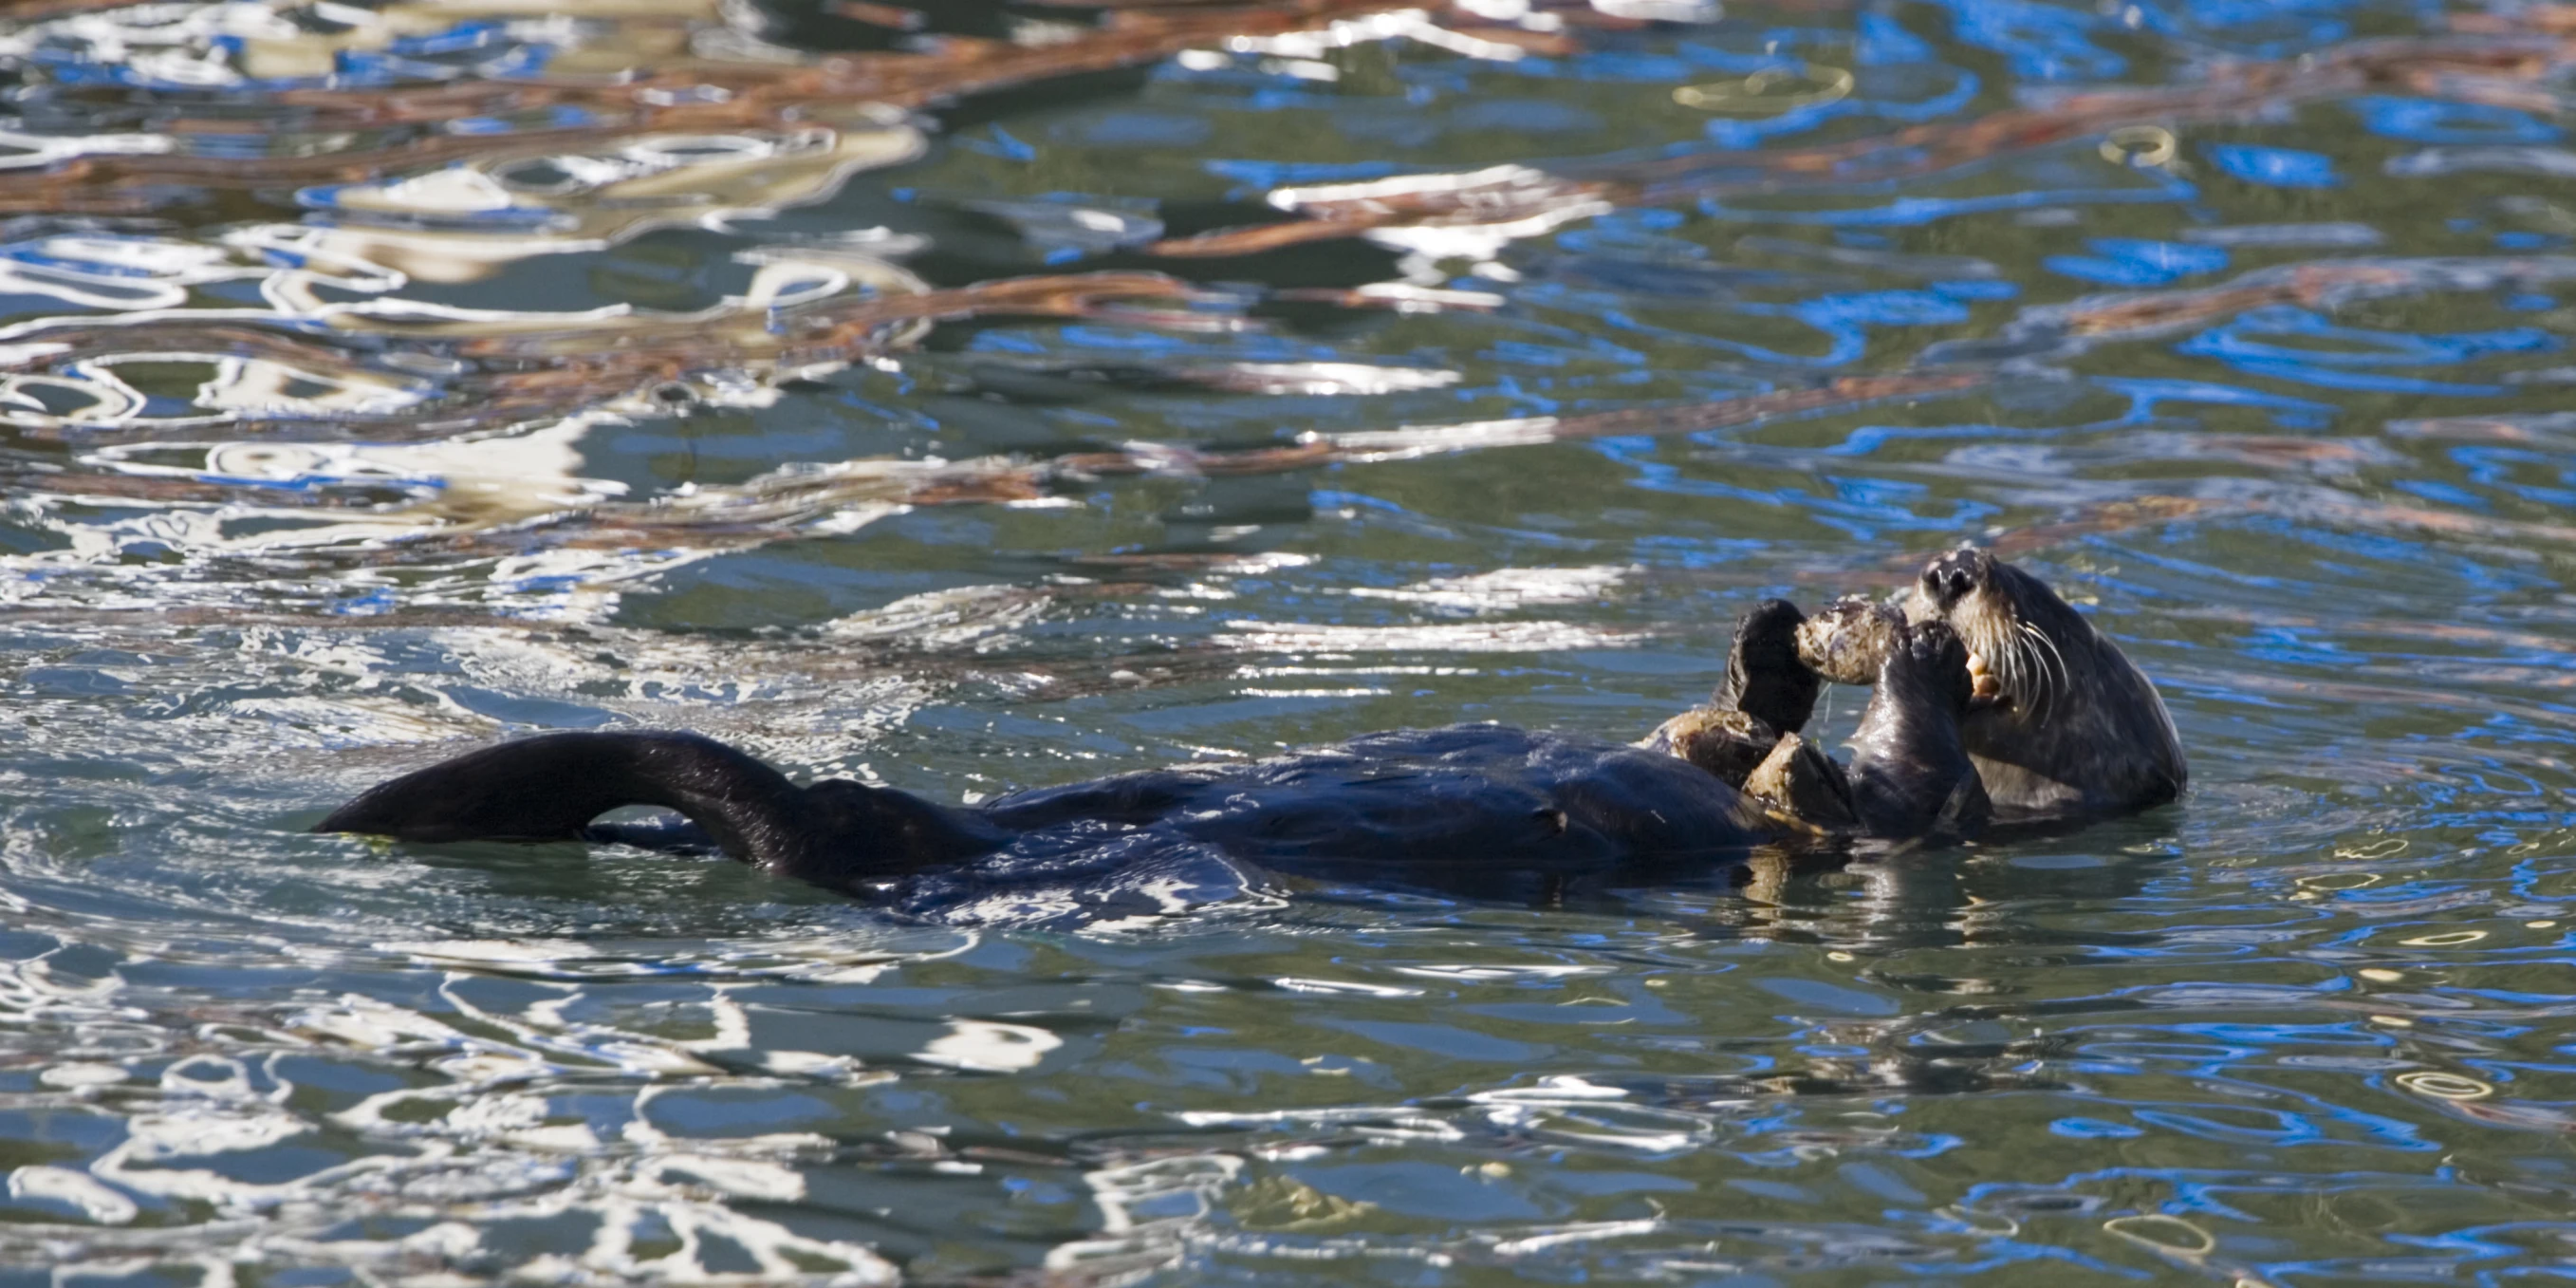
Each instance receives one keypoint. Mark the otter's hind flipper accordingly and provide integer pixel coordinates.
(1765, 678)
(549, 788)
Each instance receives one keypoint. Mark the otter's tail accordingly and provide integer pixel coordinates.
(549, 788)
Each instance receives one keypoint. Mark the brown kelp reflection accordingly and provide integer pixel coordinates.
(521, 500)
(426, 148)
(335, 395)
(2060, 331)
(363, 376)
(1501, 203)
(396, 370)
(356, 98)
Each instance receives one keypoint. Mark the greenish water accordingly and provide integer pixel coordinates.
(382, 380)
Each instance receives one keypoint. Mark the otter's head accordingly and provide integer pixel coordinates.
(2027, 649)
(2059, 719)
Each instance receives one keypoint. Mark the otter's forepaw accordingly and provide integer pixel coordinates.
(1934, 658)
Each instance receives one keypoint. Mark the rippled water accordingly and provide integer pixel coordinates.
(384, 378)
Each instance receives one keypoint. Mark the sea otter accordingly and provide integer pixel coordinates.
(2061, 724)
(1456, 807)
(1991, 698)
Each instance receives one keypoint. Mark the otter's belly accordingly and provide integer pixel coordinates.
(2113, 753)
(1463, 797)
(2017, 791)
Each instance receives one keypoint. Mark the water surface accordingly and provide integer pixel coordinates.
(385, 379)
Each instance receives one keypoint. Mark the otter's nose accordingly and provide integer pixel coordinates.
(1951, 577)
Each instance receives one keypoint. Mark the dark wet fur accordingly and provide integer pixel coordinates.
(1911, 773)
(1474, 809)
(1764, 676)
(2078, 731)
(1768, 692)
(1420, 806)
(550, 787)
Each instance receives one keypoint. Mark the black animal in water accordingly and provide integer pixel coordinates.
(1472, 807)
(1483, 809)
(2060, 723)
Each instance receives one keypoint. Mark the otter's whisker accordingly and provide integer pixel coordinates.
(2055, 663)
(2041, 686)
(2029, 667)
(2065, 677)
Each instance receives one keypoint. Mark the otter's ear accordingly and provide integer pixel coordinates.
(1764, 677)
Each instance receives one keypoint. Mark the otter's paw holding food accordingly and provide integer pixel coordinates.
(1726, 743)
(1799, 782)
(1935, 657)
(1850, 639)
